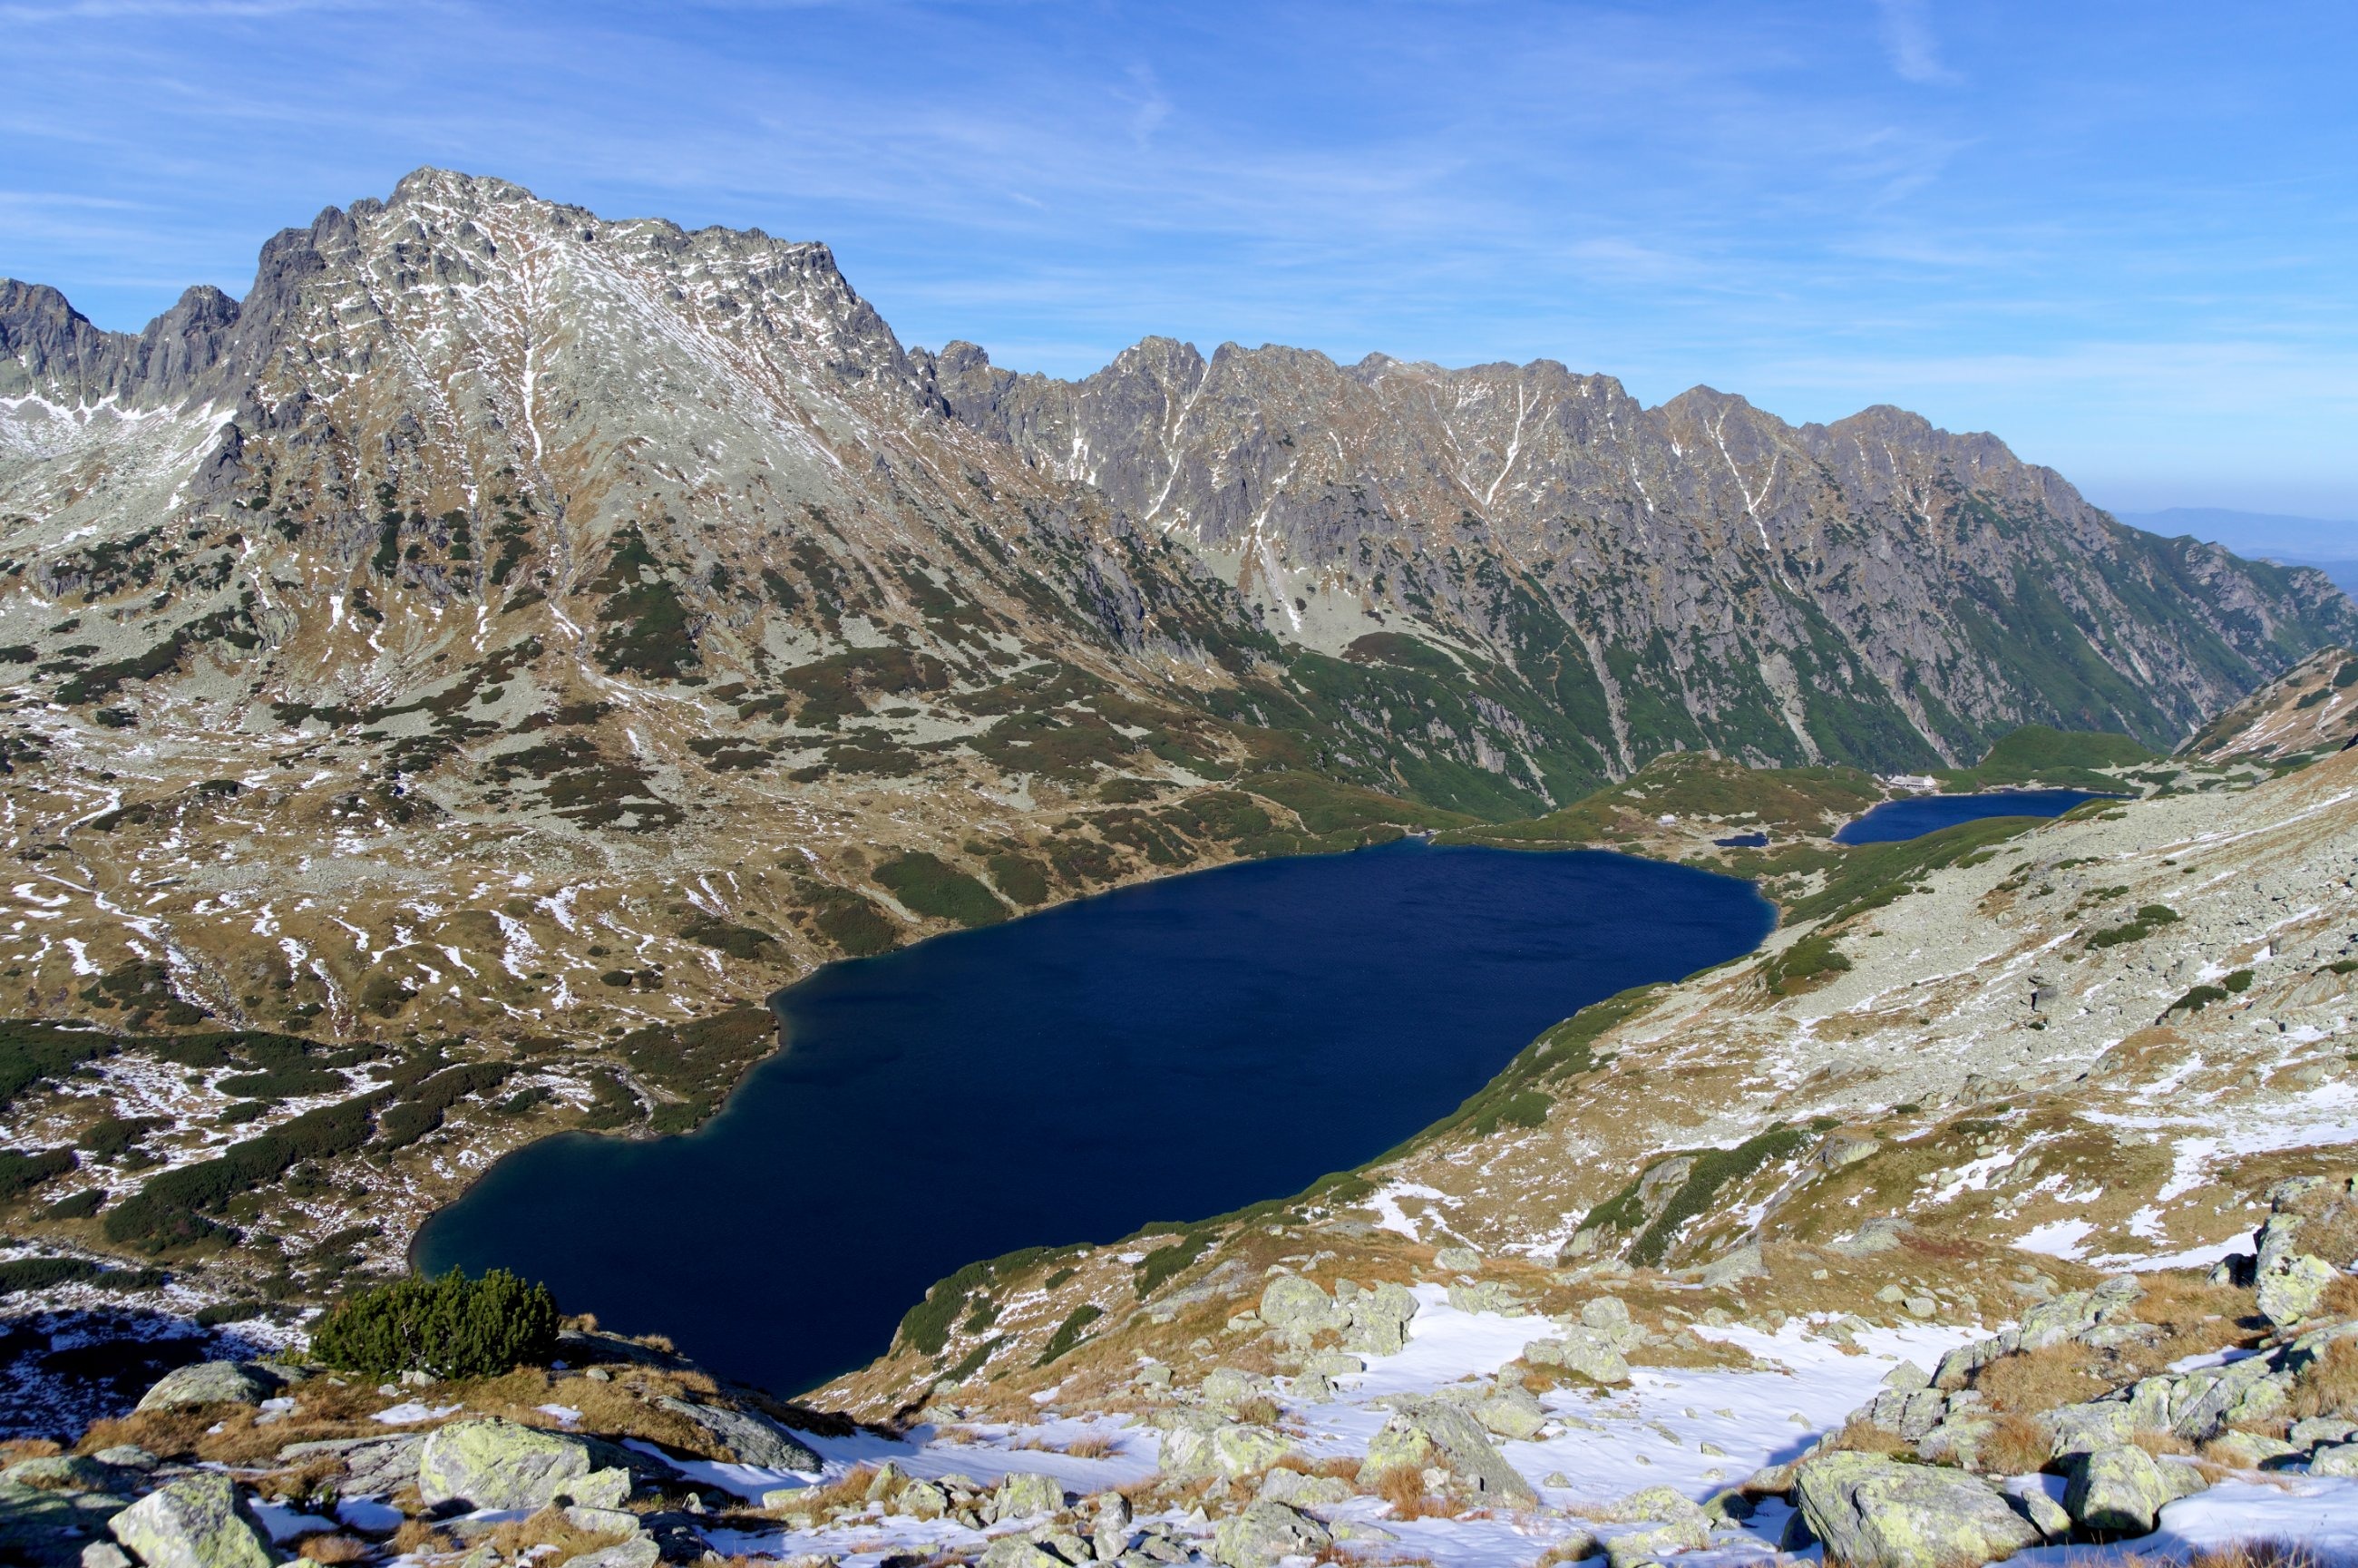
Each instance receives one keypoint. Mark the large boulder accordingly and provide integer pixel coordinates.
(1911, 1413)
(2295, 1290)
(2213, 1397)
(2090, 1428)
(1266, 1531)
(210, 1383)
(1582, 1351)
(2309, 1214)
(1511, 1412)
(1379, 1320)
(1873, 1513)
(1298, 1490)
(1245, 1449)
(499, 1464)
(2115, 1491)
(1298, 1309)
(752, 1437)
(198, 1521)
(1427, 1432)
(1027, 1494)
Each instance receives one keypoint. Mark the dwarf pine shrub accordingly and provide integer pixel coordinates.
(451, 1326)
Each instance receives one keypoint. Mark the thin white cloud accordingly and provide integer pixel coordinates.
(1908, 38)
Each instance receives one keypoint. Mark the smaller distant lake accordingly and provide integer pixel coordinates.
(1918, 814)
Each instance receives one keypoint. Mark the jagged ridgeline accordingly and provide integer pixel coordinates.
(1490, 588)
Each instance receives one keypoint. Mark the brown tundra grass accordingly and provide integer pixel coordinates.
(416, 1538)
(333, 1549)
(2016, 1446)
(1403, 1488)
(2330, 1384)
(550, 1537)
(2032, 1381)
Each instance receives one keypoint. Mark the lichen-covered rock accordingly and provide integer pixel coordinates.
(1301, 1491)
(64, 1472)
(2090, 1428)
(1873, 1513)
(1511, 1412)
(1298, 1308)
(1744, 1263)
(2212, 1399)
(1224, 1387)
(1018, 1552)
(2335, 1459)
(1027, 1494)
(639, 1552)
(1912, 1413)
(1582, 1351)
(2115, 1491)
(210, 1383)
(1266, 1531)
(2294, 1290)
(1433, 1431)
(1379, 1320)
(1488, 1295)
(1655, 1505)
(198, 1521)
(499, 1464)
(1637, 1548)
(1457, 1259)
(1245, 1449)
(752, 1437)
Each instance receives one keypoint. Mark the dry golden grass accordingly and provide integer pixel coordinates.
(550, 1537)
(1259, 1408)
(17, 1448)
(1093, 1446)
(2035, 1380)
(1861, 1436)
(848, 1491)
(2329, 1386)
(2340, 1298)
(1403, 1488)
(2265, 1554)
(331, 1549)
(2163, 1444)
(417, 1537)
(2016, 1446)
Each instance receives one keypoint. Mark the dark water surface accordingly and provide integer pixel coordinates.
(1163, 1052)
(1914, 815)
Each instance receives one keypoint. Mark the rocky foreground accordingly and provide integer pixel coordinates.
(2175, 1410)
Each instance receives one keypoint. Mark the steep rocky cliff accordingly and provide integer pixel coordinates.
(1698, 575)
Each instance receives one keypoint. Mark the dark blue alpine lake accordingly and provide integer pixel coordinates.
(1163, 1052)
(1912, 817)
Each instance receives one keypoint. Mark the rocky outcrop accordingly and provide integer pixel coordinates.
(501, 1465)
(211, 1383)
(1266, 1531)
(752, 1437)
(197, 1522)
(1437, 1434)
(1873, 1513)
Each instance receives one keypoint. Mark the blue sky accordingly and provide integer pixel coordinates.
(2123, 236)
